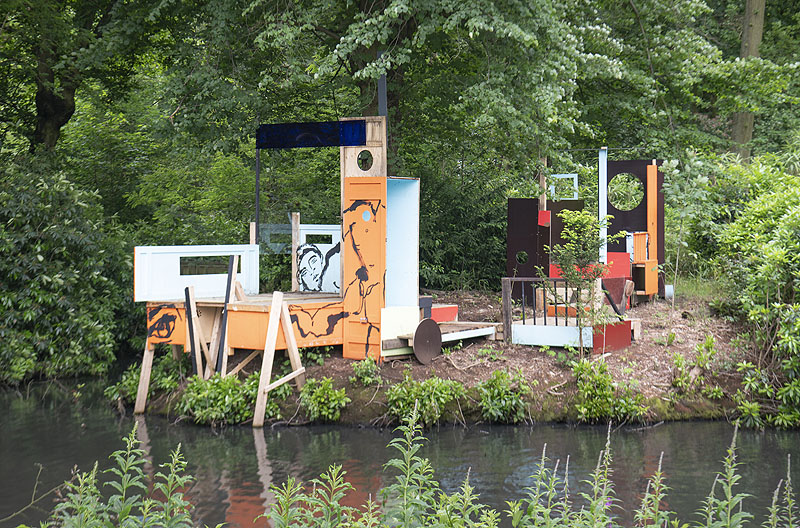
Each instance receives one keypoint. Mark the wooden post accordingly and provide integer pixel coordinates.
(252, 233)
(543, 185)
(176, 352)
(214, 346)
(295, 244)
(506, 282)
(144, 378)
(190, 308)
(291, 345)
(267, 359)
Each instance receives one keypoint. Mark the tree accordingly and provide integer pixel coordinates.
(752, 32)
(50, 48)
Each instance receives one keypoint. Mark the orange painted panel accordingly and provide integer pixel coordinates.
(640, 246)
(314, 325)
(364, 263)
(652, 209)
(166, 323)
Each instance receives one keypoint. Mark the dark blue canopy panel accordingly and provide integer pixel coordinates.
(318, 134)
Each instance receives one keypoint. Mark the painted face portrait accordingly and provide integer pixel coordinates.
(310, 265)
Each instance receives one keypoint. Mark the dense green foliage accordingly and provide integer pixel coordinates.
(152, 105)
(366, 372)
(321, 401)
(62, 277)
(165, 377)
(599, 398)
(502, 397)
(424, 400)
(227, 400)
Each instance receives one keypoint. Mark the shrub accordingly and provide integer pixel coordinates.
(367, 372)
(502, 397)
(60, 269)
(600, 398)
(165, 377)
(429, 396)
(220, 401)
(321, 401)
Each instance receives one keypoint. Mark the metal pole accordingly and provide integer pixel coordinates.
(258, 190)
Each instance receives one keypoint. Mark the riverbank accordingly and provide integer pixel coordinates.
(681, 368)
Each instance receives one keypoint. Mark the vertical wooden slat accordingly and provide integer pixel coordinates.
(506, 287)
(194, 330)
(295, 244)
(144, 378)
(267, 359)
(291, 344)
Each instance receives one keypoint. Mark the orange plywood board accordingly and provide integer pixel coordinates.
(652, 210)
(317, 324)
(166, 323)
(364, 264)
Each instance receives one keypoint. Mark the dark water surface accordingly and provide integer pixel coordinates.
(235, 467)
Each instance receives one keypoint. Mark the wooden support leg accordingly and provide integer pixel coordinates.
(267, 359)
(144, 378)
(176, 352)
(291, 345)
(214, 347)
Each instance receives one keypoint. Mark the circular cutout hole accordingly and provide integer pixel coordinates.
(522, 257)
(625, 191)
(364, 160)
(366, 215)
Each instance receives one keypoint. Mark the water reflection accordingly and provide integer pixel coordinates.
(236, 467)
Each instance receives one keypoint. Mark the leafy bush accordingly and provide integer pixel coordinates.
(367, 372)
(502, 397)
(220, 401)
(683, 377)
(429, 396)
(600, 398)
(165, 377)
(321, 401)
(60, 270)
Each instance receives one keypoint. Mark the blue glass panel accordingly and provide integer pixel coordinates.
(317, 134)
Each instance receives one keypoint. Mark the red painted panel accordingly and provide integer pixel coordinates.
(442, 313)
(619, 265)
(608, 338)
(544, 218)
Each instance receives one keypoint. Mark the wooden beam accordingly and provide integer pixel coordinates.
(291, 344)
(214, 346)
(144, 378)
(244, 363)
(238, 292)
(267, 359)
(295, 244)
(194, 330)
(506, 285)
(294, 375)
(252, 233)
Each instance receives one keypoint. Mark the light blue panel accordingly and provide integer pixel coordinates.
(559, 336)
(602, 200)
(402, 242)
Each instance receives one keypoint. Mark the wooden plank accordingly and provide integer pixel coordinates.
(244, 362)
(238, 292)
(144, 378)
(176, 352)
(294, 375)
(467, 334)
(214, 346)
(267, 359)
(291, 344)
(194, 330)
(295, 244)
(652, 209)
(506, 282)
(252, 233)
(389, 344)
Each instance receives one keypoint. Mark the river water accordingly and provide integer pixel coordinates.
(56, 429)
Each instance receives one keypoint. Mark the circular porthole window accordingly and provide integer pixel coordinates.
(522, 257)
(625, 191)
(364, 160)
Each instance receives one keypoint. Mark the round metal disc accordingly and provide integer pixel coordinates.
(427, 341)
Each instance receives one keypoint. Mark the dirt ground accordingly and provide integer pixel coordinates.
(647, 365)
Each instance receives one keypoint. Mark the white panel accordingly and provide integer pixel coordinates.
(157, 274)
(602, 200)
(319, 265)
(540, 335)
(398, 320)
(402, 242)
